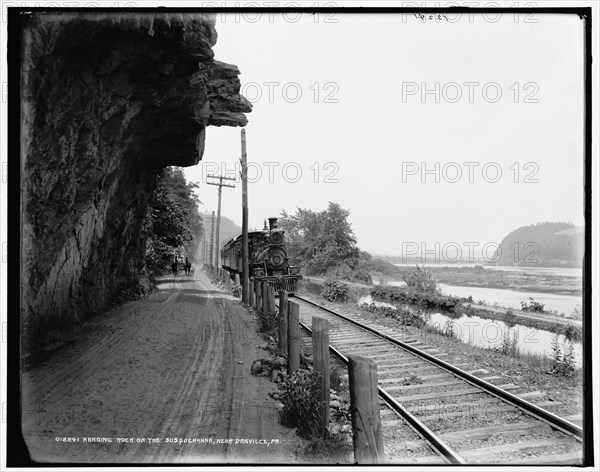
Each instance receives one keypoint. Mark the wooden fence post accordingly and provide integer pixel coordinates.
(320, 343)
(364, 407)
(272, 299)
(257, 295)
(265, 298)
(293, 336)
(283, 321)
(270, 303)
(250, 294)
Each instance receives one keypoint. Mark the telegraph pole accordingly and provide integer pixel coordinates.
(245, 266)
(220, 185)
(212, 239)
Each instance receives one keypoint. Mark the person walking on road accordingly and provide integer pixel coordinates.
(174, 267)
(187, 266)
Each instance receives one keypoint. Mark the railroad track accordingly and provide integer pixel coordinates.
(435, 412)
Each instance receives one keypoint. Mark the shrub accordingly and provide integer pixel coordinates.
(339, 409)
(572, 333)
(236, 291)
(334, 449)
(563, 363)
(533, 306)
(361, 275)
(335, 378)
(449, 329)
(335, 291)
(299, 394)
(422, 280)
(345, 272)
(405, 316)
(416, 297)
(268, 321)
(510, 318)
(508, 346)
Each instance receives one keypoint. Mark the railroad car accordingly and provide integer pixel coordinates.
(267, 258)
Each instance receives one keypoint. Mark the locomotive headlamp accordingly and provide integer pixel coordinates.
(276, 237)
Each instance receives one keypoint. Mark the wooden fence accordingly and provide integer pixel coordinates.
(362, 372)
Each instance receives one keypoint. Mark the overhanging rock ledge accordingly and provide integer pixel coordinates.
(108, 99)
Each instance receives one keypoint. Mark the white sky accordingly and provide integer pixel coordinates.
(373, 132)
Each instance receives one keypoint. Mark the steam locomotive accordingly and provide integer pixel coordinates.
(267, 256)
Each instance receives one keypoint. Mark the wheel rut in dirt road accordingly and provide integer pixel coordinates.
(156, 372)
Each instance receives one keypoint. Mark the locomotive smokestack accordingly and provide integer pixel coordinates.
(272, 223)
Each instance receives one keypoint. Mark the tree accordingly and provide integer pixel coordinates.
(172, 220)
(320, 241)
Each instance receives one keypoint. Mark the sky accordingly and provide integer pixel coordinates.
(428, 132)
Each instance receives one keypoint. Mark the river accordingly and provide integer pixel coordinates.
(512, 298)
(558, 271)
(490, 334)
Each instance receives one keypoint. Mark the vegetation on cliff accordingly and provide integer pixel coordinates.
(172, 220)
(110, 100)
(545, 244)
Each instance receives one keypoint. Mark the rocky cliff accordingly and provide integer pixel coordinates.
(107, 100)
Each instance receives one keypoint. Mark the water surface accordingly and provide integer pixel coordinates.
(490, 334)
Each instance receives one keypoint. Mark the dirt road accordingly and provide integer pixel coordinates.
(162, 380)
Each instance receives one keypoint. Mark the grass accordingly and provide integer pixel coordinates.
(334, 449)
(529, 370)
(560, 365)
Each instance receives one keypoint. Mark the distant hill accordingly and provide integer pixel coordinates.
(543, 244)
(227, 230)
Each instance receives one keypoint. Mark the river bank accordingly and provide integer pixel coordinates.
(529, 371)
(519, 279)
(543, 321)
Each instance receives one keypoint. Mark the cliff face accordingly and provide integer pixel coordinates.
(107, 100)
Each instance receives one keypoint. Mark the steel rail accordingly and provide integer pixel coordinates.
(547, 417)
(439, 446)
